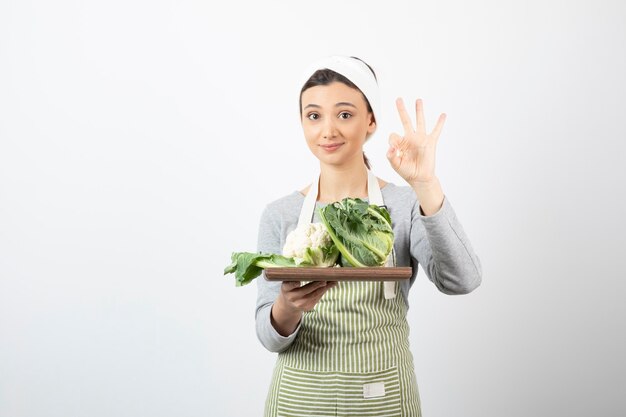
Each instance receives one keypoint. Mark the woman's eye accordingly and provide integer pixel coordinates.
(345, 115)
(313, 116)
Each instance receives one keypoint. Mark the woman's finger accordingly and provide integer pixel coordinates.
(290, 285)
(437, 130)
(396, 147)
(314, 297)
(396, 141)
(404, 117)
(419, 114)
(306, 302)
(308, 288)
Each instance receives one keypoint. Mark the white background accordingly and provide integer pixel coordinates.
(140, 141)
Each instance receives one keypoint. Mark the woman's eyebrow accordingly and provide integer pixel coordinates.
(341, 103)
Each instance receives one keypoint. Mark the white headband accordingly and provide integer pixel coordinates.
(354, 70)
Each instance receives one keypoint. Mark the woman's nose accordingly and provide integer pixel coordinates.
(329, 130)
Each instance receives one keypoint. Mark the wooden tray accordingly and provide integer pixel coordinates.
(339, 274)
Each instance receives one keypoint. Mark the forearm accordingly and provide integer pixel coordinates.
(441, 246)
(430, 196)
(283, 319)
(267, 334)
(270, 337)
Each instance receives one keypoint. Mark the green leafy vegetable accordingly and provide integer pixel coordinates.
(247, 265)
(361, 231)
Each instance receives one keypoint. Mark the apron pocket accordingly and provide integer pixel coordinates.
(316, 394)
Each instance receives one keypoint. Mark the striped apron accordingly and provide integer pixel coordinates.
(351, 356)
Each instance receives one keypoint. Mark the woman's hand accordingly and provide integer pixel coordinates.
(413, 157)
(293, 300)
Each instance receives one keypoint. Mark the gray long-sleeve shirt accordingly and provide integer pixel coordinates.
(436, 242)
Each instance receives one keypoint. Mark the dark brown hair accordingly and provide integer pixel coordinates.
(325, 77)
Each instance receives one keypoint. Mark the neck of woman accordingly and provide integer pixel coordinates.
(340, 181)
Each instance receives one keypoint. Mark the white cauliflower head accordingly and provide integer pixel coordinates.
(311, 245)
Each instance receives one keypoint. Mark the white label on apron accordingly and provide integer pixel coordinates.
(375, 389)
(389, 289)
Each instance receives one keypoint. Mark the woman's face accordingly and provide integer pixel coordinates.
(336, 122)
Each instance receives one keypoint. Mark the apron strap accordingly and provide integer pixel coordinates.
(373, 190)
(308, 207)
(376, 197)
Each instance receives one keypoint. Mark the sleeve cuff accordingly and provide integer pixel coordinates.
(440, 214)
(275, 341)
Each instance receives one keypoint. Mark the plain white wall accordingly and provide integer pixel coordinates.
(140, 141)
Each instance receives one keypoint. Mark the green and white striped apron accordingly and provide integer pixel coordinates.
(351, 356)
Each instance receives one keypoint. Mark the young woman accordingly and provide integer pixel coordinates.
(344, 346)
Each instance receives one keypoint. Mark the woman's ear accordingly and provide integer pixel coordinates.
(372, 125)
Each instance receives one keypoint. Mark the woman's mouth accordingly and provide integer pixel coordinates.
(331, 147)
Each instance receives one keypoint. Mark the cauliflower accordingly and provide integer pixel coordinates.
(311, 245)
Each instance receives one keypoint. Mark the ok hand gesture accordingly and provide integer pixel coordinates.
(412, 156)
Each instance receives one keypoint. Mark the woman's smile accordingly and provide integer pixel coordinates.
(331, 147)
